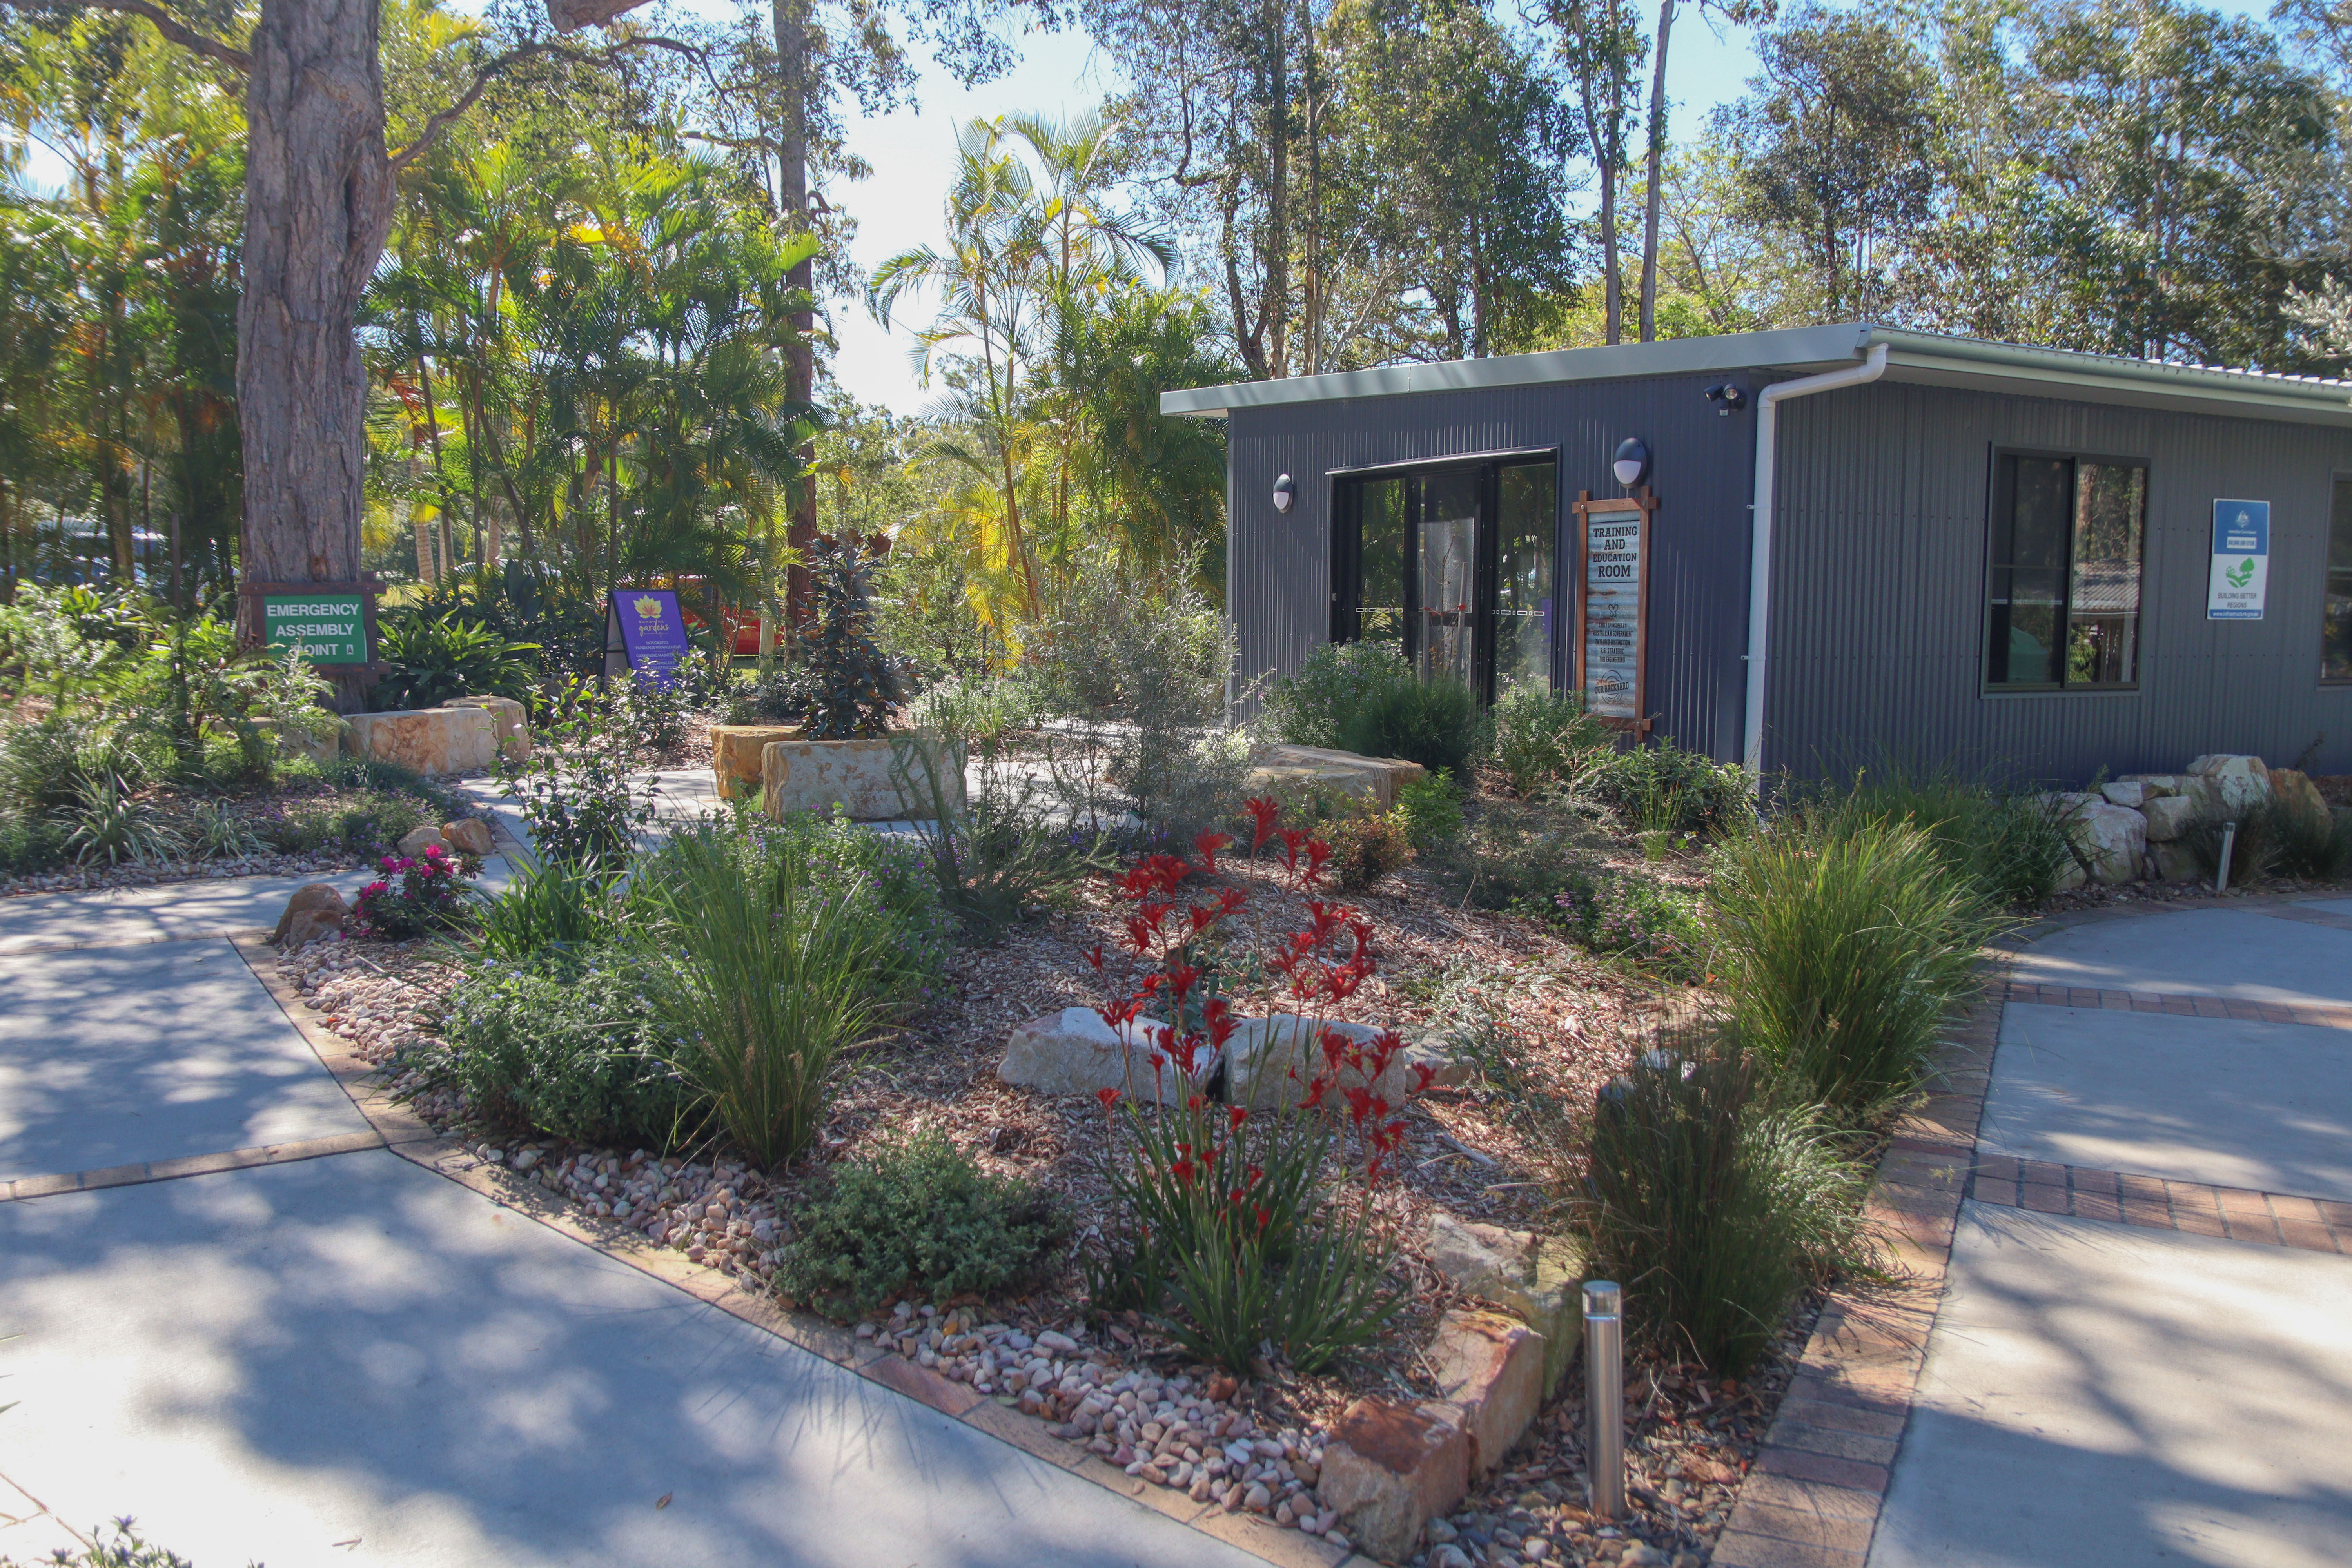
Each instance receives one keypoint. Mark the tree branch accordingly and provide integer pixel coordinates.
(498, 67)
(174, 31)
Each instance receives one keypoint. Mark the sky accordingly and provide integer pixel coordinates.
(912, 154)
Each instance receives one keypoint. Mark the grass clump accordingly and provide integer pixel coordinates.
(2013, 847)
(761, 977)
(1840, 948)
(917, 1216)
(547, 904)
(1712, 1208)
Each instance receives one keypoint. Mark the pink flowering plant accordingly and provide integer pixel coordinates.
(416, 894)
(1220, 1226)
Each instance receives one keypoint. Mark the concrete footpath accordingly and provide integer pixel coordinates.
(335, 1354)
(2141, 1355)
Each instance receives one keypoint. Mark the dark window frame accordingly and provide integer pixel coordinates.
(1347, 550)
(2327, 581)
(1996, 494)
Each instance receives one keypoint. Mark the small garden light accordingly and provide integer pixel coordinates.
(1285, 490)
(1632, 462)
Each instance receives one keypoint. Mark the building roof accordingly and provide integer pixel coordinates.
(1920, 357)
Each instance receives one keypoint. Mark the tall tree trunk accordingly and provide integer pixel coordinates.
(800, 355)
(1276, 314)
(1656, 159)
(318, 205)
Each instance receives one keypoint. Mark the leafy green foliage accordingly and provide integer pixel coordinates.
(1428, 809)
(576, 791)
(1840, 949)
(1310, 707)
(29, 843)
(367, 820)
(1367, 847)
(1435, 723)
(217, 831)
(546, 904)
(1522, 858)
(436, 658)
(848, 686)
(1632, 917)
(1663, 788)
(917, 1217)
(106, 822)
(1713, 1211)
(566, 1042)
(1543, 740)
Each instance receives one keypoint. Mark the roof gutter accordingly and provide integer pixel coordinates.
(1760, 546)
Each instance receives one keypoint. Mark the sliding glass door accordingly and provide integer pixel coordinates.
(1453, 566)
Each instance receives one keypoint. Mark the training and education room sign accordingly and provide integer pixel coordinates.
(1613, 607)
(329, 623)
(643, 634)
(2242, 561)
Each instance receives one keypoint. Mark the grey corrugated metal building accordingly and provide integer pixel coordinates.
(1847, 542)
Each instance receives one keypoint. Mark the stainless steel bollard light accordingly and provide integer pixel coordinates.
(1604, 1395)
(2229, 842)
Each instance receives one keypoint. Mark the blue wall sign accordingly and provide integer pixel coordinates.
(644, 634)
(2242, 561)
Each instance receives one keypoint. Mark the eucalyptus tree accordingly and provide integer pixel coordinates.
(1600, 45)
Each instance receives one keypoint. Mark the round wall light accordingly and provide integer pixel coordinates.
(1285, 490)
(1632, 462)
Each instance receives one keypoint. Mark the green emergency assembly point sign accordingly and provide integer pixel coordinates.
(329, 629)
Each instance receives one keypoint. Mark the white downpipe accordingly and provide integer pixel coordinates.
(1760, 550)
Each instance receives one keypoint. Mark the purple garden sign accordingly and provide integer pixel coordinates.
(645, 635)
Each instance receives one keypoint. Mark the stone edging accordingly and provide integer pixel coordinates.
(1813, 1496)
(404, 1133)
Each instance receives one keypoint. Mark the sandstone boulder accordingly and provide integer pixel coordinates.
(2170, 816)
(2300, 798)
(1285, 771)
(1270, 1064)
(1390, 1468)
(2124, 792)
(1489, 1368)
(1536, 1279)
(508, 718)
(2174, 862)
(472, 835)
(735, 761)
(431, 740)
(2113, 839)
(857, 775)
(1075, 1052)
(413, 842)
(316, 909)
(2243, 781)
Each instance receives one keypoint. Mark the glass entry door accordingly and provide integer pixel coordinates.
(1446, 545)
(1452, 566)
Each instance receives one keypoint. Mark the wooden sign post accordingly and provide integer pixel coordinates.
(1612, 606)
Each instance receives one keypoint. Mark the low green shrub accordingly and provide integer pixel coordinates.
(29, 845)
(215, 831)
(1632, 917)
(106, 822)
(1006, 848)
(1430, 811)
(435, 657)
(566, 1042)
(1545, 740)
(1663, 788)
(364, 823)
(1521, 858)
(1840, 949)
(1368, 848)
(45, 765)
(1437, 723)
(917, 1218)
(1713, 1211)
(1311, 707)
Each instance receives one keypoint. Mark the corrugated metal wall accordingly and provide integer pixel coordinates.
(1879, 579)
(1278, 564)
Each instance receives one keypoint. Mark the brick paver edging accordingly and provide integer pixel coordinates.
(2238, 1213)
(2177, 1003)
(1812, 1496)
(401, 1131)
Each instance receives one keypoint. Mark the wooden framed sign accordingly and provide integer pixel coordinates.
(1613, 607)
(332, 624)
